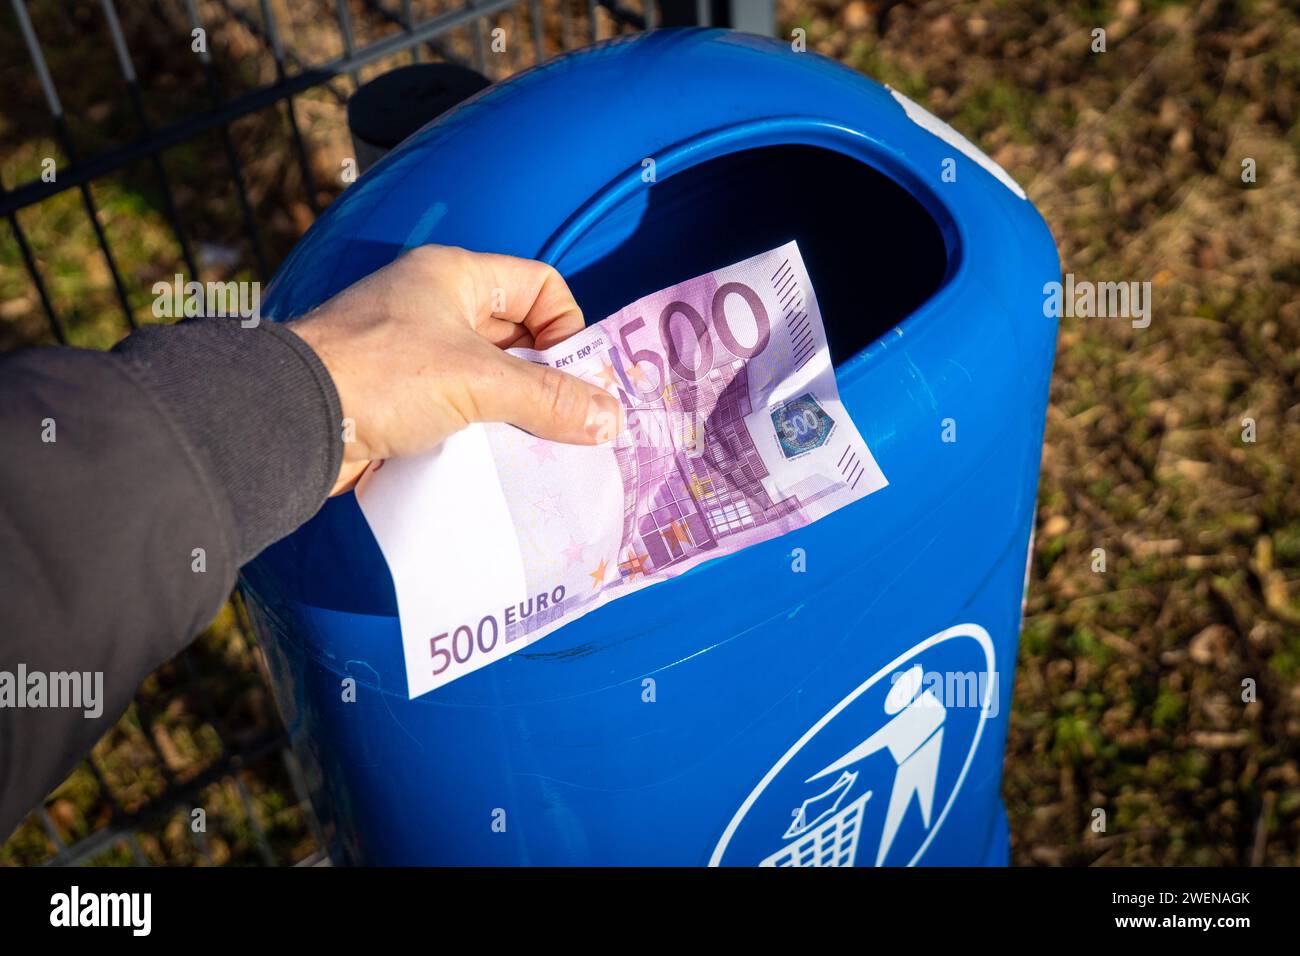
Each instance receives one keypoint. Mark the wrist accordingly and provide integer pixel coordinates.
(314, 331)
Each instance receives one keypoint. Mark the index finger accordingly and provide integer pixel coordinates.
(528, 293)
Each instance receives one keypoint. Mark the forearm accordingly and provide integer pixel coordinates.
(133, 484)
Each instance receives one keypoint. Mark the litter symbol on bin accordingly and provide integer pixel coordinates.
(830, 843)
(892, 737)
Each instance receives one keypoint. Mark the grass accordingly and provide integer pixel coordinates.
(1128, 694)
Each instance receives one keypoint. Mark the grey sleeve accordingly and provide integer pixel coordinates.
(133, 484)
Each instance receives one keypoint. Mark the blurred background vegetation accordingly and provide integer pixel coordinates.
(1128, 692)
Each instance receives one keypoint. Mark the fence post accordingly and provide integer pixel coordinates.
(748, 16)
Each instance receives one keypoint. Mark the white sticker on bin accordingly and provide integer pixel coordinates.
(928, 121)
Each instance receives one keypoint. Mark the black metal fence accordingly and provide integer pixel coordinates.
(409, 30)
(294, 76)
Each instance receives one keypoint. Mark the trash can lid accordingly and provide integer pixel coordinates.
(393, 105)
(528, 166)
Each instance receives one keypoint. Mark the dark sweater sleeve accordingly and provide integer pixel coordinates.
(133, 484)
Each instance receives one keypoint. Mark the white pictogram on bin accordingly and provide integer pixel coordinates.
(914, 738)
(833, 843)
(825, 803)
(910, 723)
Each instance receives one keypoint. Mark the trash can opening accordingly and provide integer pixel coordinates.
(873, 251)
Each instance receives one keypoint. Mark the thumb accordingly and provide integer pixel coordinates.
(548, 403)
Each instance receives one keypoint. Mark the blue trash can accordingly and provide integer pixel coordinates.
(836, 696)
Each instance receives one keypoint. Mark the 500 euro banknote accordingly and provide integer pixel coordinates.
(735, 435)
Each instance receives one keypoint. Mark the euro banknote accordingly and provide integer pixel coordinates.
(734, 434)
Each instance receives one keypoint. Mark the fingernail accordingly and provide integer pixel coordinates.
(604, 417)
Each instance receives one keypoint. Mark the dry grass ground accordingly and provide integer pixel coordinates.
(1129, 687)
(1129, 690)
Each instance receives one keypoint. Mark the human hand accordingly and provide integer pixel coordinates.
(416, 353)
